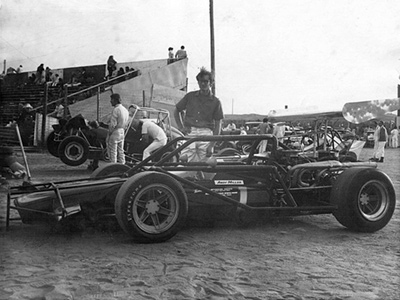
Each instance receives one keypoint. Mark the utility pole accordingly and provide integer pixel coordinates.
(212, 43)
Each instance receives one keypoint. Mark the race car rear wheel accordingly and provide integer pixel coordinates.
(110, 169)
(365, 198)
(52, 144)
(151, 207)
(73, 150)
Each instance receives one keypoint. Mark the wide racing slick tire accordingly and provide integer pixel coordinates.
(151, 207)
(73, 150)
(365, 198)
(110, 169)
(52, 144)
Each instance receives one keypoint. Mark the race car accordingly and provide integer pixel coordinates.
(74, 141)
(152, 200)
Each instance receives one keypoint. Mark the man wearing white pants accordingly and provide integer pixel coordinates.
(199, 113)
(116, 130)
(380, 138)
(151, 130)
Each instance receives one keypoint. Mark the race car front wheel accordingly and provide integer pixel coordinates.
(73, 150)
(365, 198)
(151, 207)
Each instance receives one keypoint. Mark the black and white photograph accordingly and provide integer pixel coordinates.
(212, 149)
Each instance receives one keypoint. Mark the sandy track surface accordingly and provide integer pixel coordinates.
(309, 257)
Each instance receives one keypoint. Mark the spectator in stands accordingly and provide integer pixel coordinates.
(116, 128)
(48, 74)
(111, 66)
(40, 74)
(26, 123)
(19, 69)
(120, 73)
(11, 70)
(55, 79)
(32, 79)
(170, 55)
(150, 130)
(181, 53)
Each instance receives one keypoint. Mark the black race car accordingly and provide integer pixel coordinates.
(151, 200)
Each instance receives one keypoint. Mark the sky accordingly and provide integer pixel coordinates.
(268, 53)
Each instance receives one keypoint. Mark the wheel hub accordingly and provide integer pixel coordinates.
(152, 207)
(364, 199)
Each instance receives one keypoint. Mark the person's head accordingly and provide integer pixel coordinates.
(28, 107)
(131, 109)
(115, 99)
(127, 69)
(94, 124)
(182, 47)
(380, 123)
(205, 79)
(265, 120)
(170, 49)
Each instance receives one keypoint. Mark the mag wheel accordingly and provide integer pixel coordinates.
(365, 198)
(151, 207)
(73, 150)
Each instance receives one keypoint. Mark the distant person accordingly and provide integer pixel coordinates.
(150, 130)
(11, 70)
(199, 113)
(116, 130)
(19, 69)
(40, 74)
(181, 53)
(264, 128)
(170, 55)
(55, 80)
(242, 131)
(394, 136)
(111, 66)
(48, 74)
(8, 162)
(59, 110)
(231, 126)
(380, 139)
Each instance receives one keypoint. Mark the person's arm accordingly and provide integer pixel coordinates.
(217, 127)
(179, 119)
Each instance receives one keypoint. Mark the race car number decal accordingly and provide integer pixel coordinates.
(229, 182)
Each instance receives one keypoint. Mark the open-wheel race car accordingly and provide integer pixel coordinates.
(75, 141)
(152, 199)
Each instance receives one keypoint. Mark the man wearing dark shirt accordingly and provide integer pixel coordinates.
(199, 113)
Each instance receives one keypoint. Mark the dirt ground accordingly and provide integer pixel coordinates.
(308, 257)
